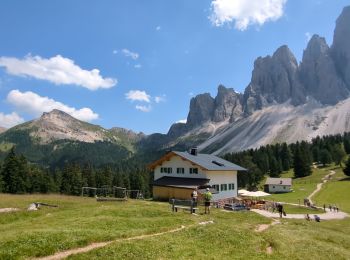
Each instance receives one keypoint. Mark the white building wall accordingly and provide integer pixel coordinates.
(223, 177)
(174, 163)
(278, 188)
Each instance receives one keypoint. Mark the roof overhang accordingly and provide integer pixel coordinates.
(179, 182)
(167, 157)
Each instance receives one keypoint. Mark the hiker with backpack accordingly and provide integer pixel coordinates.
(207, 199)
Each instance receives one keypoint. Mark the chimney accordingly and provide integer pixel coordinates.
(194, 151)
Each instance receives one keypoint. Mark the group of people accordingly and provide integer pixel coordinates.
(317, 218)
(207, 199)
(333, 208)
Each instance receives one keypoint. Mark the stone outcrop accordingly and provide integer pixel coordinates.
(228, 105)
(341, 45)
(318, 73)
(273, 81)
(201, 109)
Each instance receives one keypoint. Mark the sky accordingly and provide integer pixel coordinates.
(136, 64)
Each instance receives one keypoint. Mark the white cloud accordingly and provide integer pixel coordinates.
(308, 36)
(114, 51)
(158, 28)
(182, 121)
(33, 104)
(159, 99)
(58, 70)
(138, 95)
(138, 66)
(10, 120)
(143, 108)
(130, 54)
(246, 12)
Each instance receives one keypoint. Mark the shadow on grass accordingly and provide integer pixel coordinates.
(345, 179)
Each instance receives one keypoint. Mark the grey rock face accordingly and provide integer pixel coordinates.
(177, 130)
(227, 105)
(318, 73)
(341, 45)
(273, 81)
(201, 109)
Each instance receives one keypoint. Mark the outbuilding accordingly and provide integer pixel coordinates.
(278, 185)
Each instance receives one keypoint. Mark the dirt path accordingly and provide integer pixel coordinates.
(319, 185)
(4, 210)
(64, 254)
(263, 227)
(328, 215)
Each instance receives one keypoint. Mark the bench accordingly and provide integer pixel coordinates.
(183, 204)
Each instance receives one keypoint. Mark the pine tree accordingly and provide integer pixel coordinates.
(346, 170)
(14, 173)
(347, 144)
(301, 163)
(76, 180)
(338, 154)
(66, 186)
(286, 157)
(325, 157)
(275, 169)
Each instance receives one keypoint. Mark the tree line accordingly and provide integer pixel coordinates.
(18, 175)
(272, 160)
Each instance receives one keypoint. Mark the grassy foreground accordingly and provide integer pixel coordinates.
(81, 221)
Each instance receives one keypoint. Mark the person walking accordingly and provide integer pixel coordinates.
(207, 199)
(280, 209)
(194, 196)
(324, 207)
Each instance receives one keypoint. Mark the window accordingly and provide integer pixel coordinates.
(223, 187)
(180, 170)
(166, 170)
(193, 170)
(216, 187)
(284, 187)
(231, 186)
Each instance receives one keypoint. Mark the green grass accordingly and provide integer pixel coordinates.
(77, 222)
(232, 237)
(336, 191)
(80, 221)
(291, 209)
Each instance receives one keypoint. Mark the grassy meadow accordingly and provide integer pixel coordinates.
(78, 222)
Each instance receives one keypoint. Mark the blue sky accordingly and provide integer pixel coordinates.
(135, 63)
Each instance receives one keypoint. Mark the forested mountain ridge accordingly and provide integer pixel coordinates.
(57, 137)
(284, 102)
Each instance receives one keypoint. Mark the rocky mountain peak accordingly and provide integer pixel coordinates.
(56, 114)
(341, 45)
(316, 47)
(227, 104)
(319, 75)
(201, 109)
(284, 56)
(273, 81)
